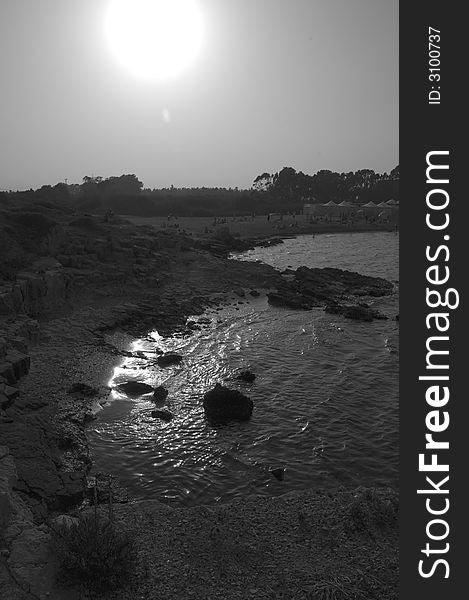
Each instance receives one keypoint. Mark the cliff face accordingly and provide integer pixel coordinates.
(42, 287)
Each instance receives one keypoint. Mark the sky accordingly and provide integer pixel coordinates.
(311, 84)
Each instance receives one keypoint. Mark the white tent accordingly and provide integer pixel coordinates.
(330, 209)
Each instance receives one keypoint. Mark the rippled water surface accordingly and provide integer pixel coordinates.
(325, 396)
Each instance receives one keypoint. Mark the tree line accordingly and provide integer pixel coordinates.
(285, 191)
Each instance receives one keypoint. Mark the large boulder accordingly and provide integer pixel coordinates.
(135, 388)
(170, 358)
(358, 312)
(164, 415)
(289, 298)
(160, 394)
(222, 404)
(246, 376)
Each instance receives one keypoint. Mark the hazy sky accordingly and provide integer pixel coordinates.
(311, 84)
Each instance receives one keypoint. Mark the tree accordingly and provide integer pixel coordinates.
(263, 183)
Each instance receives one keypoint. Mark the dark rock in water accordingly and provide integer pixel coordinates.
(359, 312)
(288, 298)
(254, 293)
(222, 404)
(239, 292)
(160, 394)
(90, 416)
(278, 473)
(135, 388)
(307, 288)
(204, 321)
(170, 358)
(246, 376)
(330, 282)
(84, 389)
(164, 415)
(397, 317)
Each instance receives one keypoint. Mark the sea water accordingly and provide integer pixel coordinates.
(325, 394)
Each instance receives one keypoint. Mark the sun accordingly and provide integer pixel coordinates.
(154, 39)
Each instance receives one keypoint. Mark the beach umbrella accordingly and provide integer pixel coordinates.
(346, 207)
(369, 206)
(331, 208)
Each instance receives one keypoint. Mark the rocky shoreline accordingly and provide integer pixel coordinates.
(95, 278)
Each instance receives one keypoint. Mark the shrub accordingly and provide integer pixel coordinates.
(93, 552)
(371, 509)
(335, 589)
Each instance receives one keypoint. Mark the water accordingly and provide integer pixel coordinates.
(325, 396)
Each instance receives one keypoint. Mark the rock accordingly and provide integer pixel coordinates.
(20, 363)
(239, 292)
(4, 418)
(160, 394)
(7, 372)
(84, 389)
(19, 343)
(359, 312)
(8, 478)
(72, 491)
(330, 282)
(29, 561)
(278, 473)
(164, 415)
(288, 298)
(307, 288)
(254, 293)
(89, 416)
(135, 388)
(246, 376)
(66, 521)
(169, 358)
(7, 395)
(222, 404)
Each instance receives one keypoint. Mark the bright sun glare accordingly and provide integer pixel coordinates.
(154, 39)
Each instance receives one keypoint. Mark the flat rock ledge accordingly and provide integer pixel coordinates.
(337, 291)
